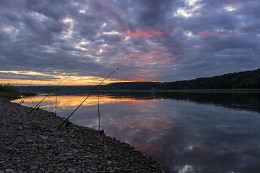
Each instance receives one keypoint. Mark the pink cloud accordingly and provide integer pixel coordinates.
(132, 126)
(166, 59)
(157, 55)
(145, 34)
(142, 56)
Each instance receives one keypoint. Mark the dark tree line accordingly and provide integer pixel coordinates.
(239, 80)
(131, 85)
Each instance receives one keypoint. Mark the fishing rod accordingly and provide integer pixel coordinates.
(30, 84)
(66, 120)
(98, 112)
(56, 100)
(37, 105)
(32, 101)
(27, 89)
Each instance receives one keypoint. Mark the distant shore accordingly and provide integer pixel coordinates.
(32, 143)
(192, 91)
(92, 89)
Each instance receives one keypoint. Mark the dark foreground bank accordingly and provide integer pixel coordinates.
(31, 143)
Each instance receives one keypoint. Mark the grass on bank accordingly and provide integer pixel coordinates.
(8, 91)
(11, 95)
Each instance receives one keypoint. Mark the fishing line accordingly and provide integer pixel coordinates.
(66, 120)
(56, 88)
(37, 105)
(27, 90)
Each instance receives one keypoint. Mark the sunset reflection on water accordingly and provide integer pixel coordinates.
(183, 135)
(66, 101)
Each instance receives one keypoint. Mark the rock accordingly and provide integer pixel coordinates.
(75, 151)
(105, 147)
(29, 141)
(35, 167)
(9, 171)
(63, 159)
(69, 158)
(43, 137)
(20, 127)
(101, 131)
(70, 170)
(109, 162)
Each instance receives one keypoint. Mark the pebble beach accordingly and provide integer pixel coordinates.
(32, 143)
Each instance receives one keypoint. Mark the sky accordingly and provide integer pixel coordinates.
(149, 40)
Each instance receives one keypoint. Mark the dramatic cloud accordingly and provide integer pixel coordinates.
(147, 39)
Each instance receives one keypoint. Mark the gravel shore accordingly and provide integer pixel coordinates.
(32, 143)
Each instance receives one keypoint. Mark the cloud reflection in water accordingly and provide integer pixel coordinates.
(185, 136)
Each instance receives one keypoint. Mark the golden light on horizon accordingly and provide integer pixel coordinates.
(23, 82)
(54, 79)
(70, 82)
(37, 78)
(74, 101)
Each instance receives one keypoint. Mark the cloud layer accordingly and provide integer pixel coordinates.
(147, 39)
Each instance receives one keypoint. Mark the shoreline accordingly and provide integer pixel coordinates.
(235, 91)
(32, 143)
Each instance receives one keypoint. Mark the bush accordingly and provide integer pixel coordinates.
(7, 88)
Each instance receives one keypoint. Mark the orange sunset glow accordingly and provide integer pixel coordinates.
(145, 34)
(72, 80)
(74, 101)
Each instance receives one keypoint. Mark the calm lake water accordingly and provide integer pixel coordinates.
(189, 133)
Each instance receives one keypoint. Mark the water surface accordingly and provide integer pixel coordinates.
(188, 133)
